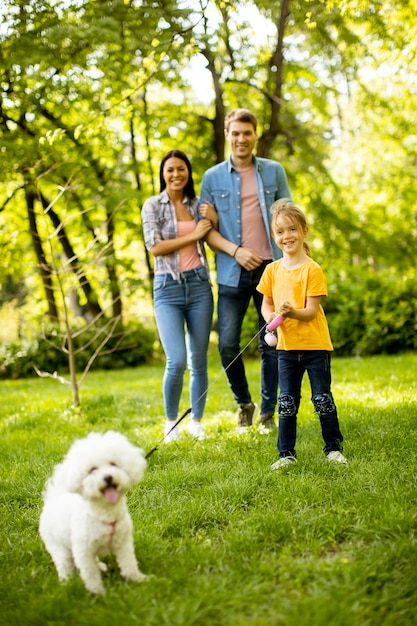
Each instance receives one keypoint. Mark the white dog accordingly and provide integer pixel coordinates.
(85, 513)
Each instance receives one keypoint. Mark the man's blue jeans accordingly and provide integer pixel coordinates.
(292, 365)
(183, 313)
(232, 305)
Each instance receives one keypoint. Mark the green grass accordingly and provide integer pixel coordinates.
(227, 542)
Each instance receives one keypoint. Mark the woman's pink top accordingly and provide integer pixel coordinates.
(189, 258)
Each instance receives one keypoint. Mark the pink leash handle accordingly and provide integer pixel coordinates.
(275, 323)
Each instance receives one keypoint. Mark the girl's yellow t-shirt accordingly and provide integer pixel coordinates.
(295, 286)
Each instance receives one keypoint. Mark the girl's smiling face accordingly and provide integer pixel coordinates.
(289, 235)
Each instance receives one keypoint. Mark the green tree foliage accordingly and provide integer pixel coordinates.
(74, 78)
(93, 93)
(319, 79)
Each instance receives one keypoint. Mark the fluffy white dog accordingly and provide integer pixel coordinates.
(85, 513)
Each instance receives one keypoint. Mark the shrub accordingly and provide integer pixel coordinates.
(127, 347)
(372, 313)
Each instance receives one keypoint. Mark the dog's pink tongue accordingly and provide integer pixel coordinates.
(111, 494)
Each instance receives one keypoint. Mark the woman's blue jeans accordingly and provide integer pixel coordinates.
(292, 365)
(232, 305)
(183, 313)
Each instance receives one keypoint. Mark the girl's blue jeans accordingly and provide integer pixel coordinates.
(183, 313)
(292, 364)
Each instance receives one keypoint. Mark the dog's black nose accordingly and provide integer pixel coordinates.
(108, 479)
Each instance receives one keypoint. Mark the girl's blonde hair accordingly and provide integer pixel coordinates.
(286, 207)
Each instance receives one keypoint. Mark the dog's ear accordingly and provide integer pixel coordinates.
(135, 464)
(67, 476)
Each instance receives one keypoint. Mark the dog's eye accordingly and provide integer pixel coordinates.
(113, 464)
(93, 469)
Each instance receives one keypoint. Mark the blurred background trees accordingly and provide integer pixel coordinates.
(93, 92)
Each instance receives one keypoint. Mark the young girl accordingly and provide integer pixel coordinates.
(293, 287)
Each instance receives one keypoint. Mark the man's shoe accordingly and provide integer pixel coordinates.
(284, 461)
(336, 457)
(266, 423)
(246, 415)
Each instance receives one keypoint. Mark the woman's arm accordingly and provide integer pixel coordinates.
(166, 246)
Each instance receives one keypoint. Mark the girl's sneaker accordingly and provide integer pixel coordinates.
(171, 435)
(196, 429)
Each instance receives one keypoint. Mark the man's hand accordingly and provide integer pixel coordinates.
(248, 258)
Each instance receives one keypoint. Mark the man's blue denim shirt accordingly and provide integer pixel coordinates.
(221, 186)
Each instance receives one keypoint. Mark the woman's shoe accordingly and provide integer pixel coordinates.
(171, 434)
(196, 429)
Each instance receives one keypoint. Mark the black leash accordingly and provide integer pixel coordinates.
(155, 448)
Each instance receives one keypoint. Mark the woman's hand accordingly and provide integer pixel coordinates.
(202, 228)
(208, 211)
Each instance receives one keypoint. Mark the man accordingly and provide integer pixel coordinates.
(242, 189)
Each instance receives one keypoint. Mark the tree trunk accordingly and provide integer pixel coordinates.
(111, 268)
(149, 159)
(266, 141)
(218, 121)
(44, 268)
(102, 178)
(91, 297)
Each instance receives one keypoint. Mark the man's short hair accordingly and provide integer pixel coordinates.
(240, 115)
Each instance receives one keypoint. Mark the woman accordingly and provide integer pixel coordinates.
(183, 299)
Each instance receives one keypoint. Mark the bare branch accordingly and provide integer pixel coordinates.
(55, 376)
(14, 192)
(97, 351)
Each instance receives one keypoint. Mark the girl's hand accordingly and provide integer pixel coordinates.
(306, 314)
(269, 318)
(286, 309)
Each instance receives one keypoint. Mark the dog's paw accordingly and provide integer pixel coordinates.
(97, 590)
(137, 577)
(102, 566)
(149, 577)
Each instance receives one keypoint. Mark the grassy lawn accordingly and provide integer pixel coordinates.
(227, 542)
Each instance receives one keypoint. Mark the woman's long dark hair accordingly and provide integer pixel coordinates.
(189, 187)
